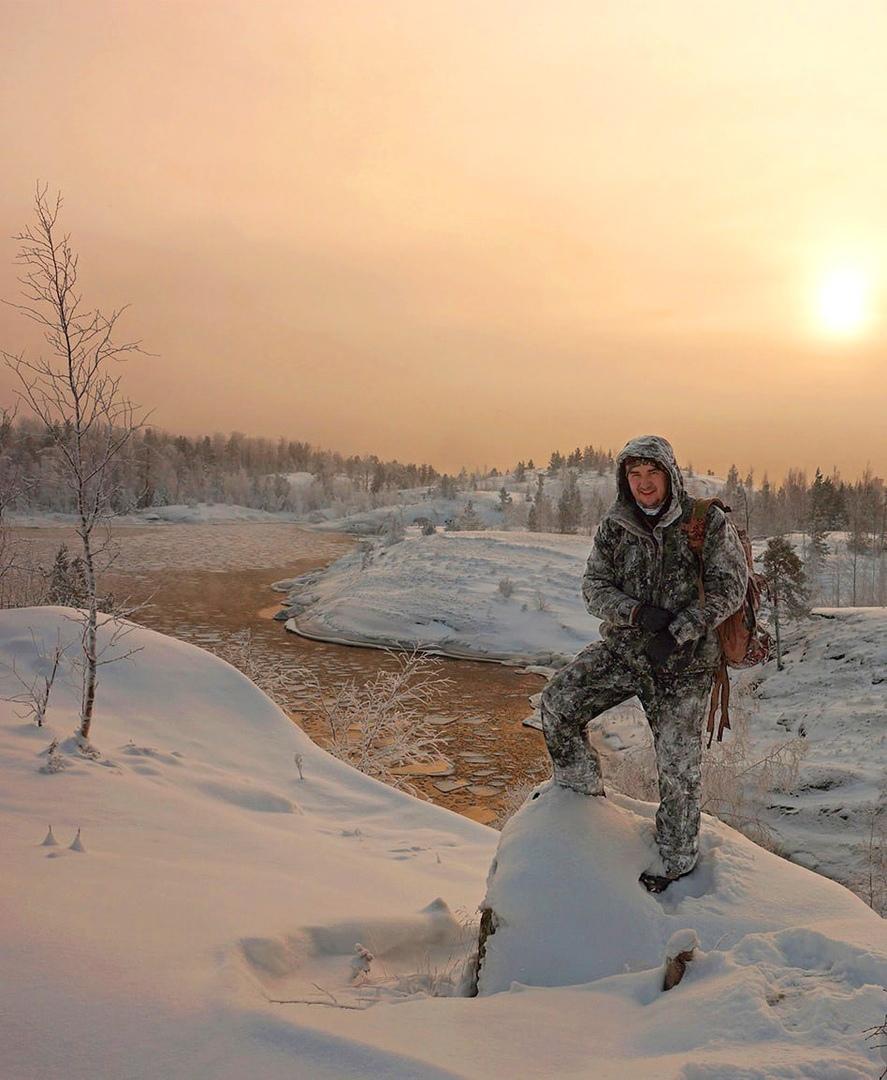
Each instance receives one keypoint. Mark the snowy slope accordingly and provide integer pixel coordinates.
(833, 693)
(213, 879)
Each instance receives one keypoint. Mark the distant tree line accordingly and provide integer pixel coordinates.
(158, 468)
(825, 505)
(814, 508)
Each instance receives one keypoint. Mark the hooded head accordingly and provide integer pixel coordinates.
(655, 450)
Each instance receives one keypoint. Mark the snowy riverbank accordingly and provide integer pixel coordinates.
(213, 880)
(510, 596)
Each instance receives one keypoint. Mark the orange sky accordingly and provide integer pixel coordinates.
(468, 233)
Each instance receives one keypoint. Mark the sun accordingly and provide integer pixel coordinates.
(843, 301)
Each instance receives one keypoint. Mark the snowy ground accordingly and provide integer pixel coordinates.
(833, 692)
(214, 880)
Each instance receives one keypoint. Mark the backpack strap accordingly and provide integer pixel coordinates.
(695, 530)
(720, 699)
(695, 526)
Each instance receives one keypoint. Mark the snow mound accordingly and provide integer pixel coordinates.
(442, 591)
(568, 907)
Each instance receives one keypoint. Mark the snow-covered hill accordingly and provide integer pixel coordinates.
(415, 504)
(444, 590)
(214, 882)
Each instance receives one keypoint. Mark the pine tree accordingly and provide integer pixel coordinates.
(555, 463)
(569, 507)
(532, 518)
(732, 485)
(67, 582)
(784, 573)
(540, 511)
(469, 518)
(819, 505)
(764, 508)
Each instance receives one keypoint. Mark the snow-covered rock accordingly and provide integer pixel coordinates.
(568, 906)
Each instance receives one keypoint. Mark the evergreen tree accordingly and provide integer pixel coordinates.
(786, 583)
(764, 508)
(504, 498)
(556, 463)
(732, 485)
(469, 518)
(819, 508)
(540, 512)
(67, 581)
(569, 507)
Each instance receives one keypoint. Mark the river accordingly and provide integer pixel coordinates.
(206, 583)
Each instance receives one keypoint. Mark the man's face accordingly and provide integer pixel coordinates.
(649, 484)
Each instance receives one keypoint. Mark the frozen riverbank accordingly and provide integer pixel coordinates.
(507, 596)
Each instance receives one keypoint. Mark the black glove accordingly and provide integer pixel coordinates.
(659, 648)
(653, 618)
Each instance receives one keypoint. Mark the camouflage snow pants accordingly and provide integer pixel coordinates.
(597, 679)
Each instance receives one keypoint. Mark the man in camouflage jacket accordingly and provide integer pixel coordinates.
(658, 641)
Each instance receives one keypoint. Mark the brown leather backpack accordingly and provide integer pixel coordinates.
(744, 642)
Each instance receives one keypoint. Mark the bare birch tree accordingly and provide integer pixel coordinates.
(75, 393)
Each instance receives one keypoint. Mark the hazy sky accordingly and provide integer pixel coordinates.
(472, 232)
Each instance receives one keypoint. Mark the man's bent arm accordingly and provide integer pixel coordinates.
(601, 594)
(725, 579)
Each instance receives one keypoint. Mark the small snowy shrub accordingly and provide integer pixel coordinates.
(275, 675)
(539, 602)
(735, 780)
(380, 726)
(871, 881)
(393, 530)
(506, 587)
(34, 693)
(55, 762)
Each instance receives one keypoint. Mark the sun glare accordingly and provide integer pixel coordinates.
(843, 302)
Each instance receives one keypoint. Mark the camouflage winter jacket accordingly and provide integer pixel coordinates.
(630, 564)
